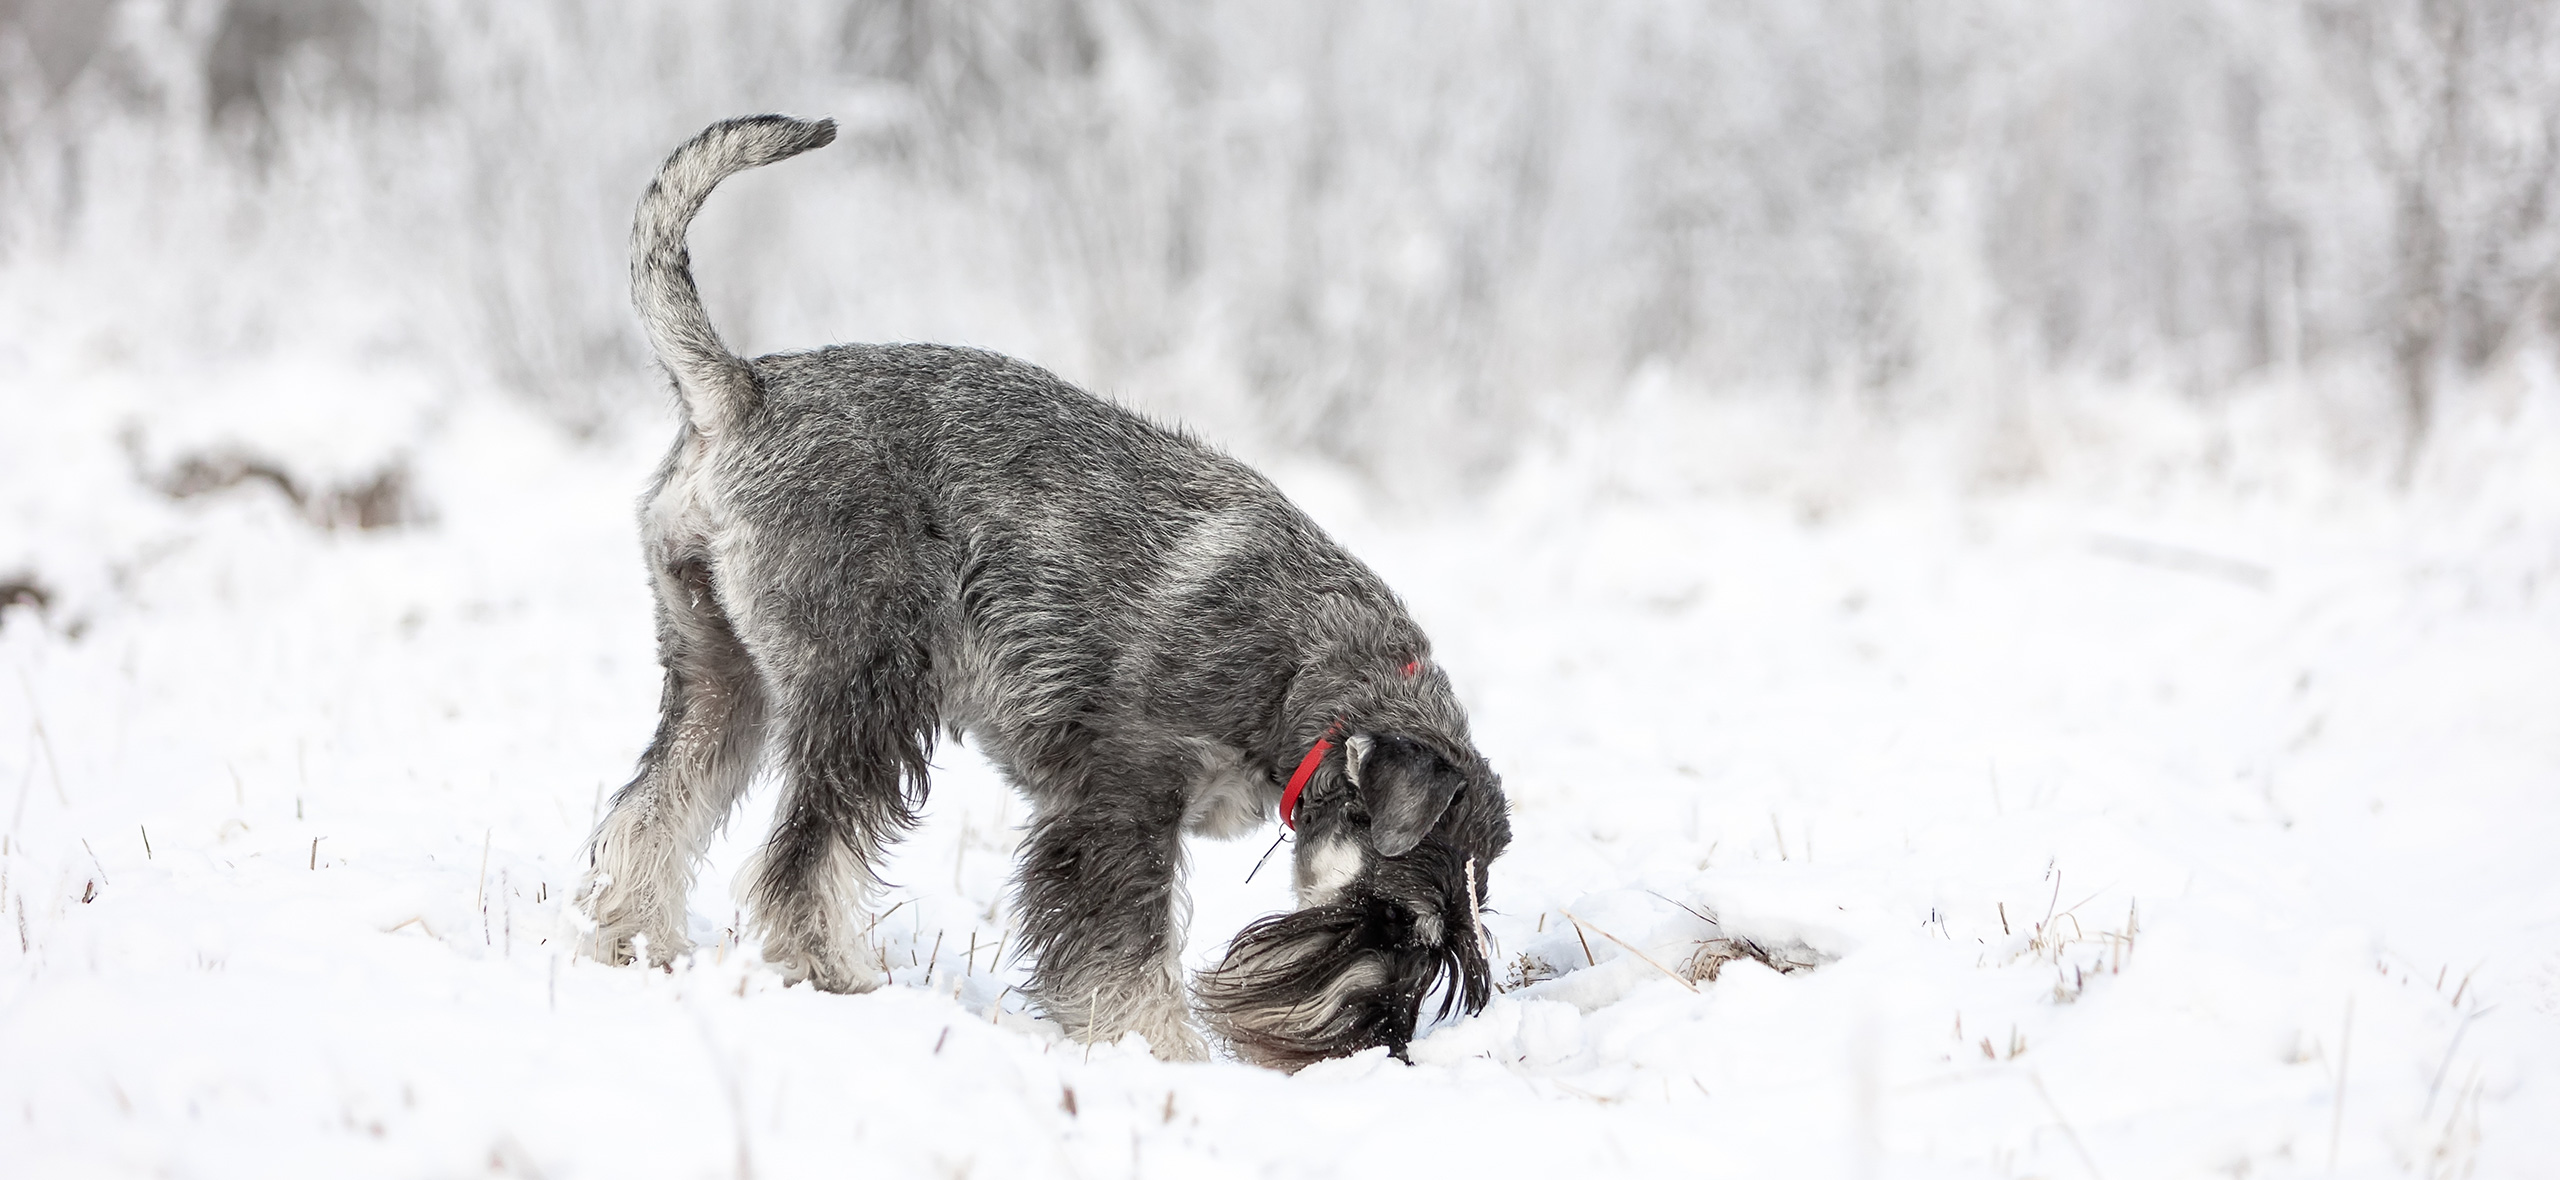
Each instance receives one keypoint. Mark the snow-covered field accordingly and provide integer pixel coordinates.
(2140, 816)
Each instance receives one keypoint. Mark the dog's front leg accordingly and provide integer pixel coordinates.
(1102, 900)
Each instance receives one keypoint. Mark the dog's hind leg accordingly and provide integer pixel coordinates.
(709, 741)
(1101, 894)
(855, 712)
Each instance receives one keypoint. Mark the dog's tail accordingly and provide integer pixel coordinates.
(715, 384)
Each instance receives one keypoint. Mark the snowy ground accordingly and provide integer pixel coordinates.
(2149, 823)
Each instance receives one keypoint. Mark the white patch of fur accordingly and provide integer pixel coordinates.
(1151, 1007)
(1355, 752)
(1313, 1017)
(1212, 543)
(967, 683)
(1227, 799)
(686, 511)
(1361, 976)
(635, 889)
(1326, 868)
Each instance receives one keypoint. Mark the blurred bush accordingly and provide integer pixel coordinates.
(1363, 229)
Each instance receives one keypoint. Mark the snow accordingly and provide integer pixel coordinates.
(2128, 818)
(1915, 503)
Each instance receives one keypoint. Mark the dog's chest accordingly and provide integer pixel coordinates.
(1227, 797)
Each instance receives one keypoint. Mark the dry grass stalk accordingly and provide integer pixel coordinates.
(1475, 913)
(1676, 977)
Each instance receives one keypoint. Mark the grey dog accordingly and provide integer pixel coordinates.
(857, 547)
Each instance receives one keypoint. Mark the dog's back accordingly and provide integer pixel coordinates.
(1091, 563)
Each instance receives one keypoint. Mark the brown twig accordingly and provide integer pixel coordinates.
(1694, 912)
(1475, 913)
(1578, 924)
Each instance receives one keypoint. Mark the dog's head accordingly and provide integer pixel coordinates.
(1395, 851)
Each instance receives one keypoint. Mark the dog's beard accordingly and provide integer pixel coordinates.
(1356, 972)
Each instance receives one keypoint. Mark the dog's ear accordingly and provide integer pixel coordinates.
(1403, 785)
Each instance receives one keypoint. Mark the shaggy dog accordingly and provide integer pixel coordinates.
(857, 547)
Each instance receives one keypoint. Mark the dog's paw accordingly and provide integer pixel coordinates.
(1178, 1043)
(621, 928)
(625, 946)
(1157, 1014)
(841, 972)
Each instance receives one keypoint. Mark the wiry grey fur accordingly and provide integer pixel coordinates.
(855, 547)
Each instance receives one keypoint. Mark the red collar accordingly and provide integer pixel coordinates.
(1306, 770)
